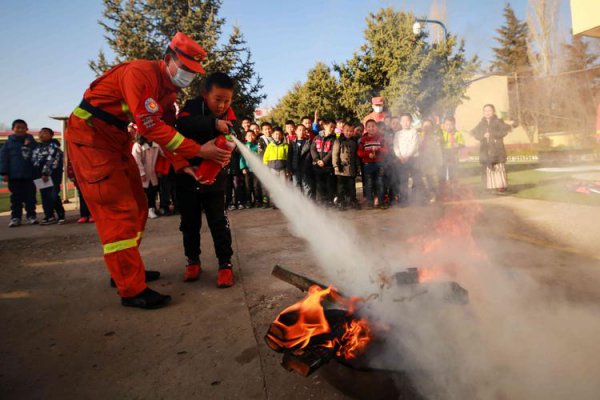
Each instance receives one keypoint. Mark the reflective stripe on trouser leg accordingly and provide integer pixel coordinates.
(135, 182)
(112, 202)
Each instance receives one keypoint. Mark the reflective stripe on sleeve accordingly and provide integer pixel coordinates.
(175, 142)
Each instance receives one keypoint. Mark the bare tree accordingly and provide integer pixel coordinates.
(544, 39)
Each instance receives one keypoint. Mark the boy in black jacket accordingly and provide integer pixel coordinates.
(322, 151)
(202, 119)
(299, 160)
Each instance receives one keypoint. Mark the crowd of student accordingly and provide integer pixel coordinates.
(398, 164)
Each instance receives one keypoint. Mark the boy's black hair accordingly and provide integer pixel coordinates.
(50, 131)
(338, 120)
(218, 79)
(406, 115)
(170, 52)
(290, 122)
(451, 119)
(18, 121)
(370, 120)
(247, 118)
(490, 105)
(306, 117)
(277, 129)
(327, 121)
(265, 124)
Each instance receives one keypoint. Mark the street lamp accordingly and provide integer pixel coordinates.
(418, 26)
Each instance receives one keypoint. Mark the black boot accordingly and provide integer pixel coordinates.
(151, 276)
(148, 299)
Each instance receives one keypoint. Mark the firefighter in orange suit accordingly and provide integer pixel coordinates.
(378, 114)
(143, 92)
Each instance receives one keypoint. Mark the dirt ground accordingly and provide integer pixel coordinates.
(65, 335)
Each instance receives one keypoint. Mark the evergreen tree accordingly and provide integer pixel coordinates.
(412, 74)
(320, 92)
(142, 29)
(288, 106)
(511, 56)
(578, 55)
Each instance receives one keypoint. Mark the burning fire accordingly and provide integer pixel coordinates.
(354, 339)
(306, 323)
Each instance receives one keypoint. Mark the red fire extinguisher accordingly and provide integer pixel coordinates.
(208, 170)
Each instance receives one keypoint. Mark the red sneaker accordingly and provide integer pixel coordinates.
(192, 273)
(225, 278)
(91, 220)
(82, 220)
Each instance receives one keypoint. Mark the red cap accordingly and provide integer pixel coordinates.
(189, 52)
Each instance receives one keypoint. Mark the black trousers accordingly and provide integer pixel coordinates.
(191, 206)
(51, 198)
(151, 195)
(253, 189)
(326, 184)
(346, 189)
(167, 192)
(22, 191)
(240, 190)
(83, 208)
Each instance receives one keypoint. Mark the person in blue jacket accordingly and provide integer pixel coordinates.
(18, 172)
(47, 160)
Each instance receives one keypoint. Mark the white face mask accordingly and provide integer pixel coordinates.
(182, 77)
(378, 109)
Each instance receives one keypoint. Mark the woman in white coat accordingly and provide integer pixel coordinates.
(146, 153)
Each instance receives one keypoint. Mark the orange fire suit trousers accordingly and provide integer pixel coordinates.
(110, 182)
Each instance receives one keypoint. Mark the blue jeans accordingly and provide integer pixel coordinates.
(373, 181)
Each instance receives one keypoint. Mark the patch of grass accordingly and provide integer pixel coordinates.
(525, 182)
(5, 199)
(4, 202)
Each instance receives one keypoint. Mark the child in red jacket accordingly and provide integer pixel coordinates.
(372, 150)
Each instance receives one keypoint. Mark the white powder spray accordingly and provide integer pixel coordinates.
(515, 340)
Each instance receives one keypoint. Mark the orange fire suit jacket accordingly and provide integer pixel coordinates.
(378, 117)
(141, 92)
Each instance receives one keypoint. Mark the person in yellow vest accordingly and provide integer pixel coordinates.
(452, 142)
(276, 155)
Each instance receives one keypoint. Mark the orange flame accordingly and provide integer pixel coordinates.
(355, 339)
(295, 326)
(311, 319)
